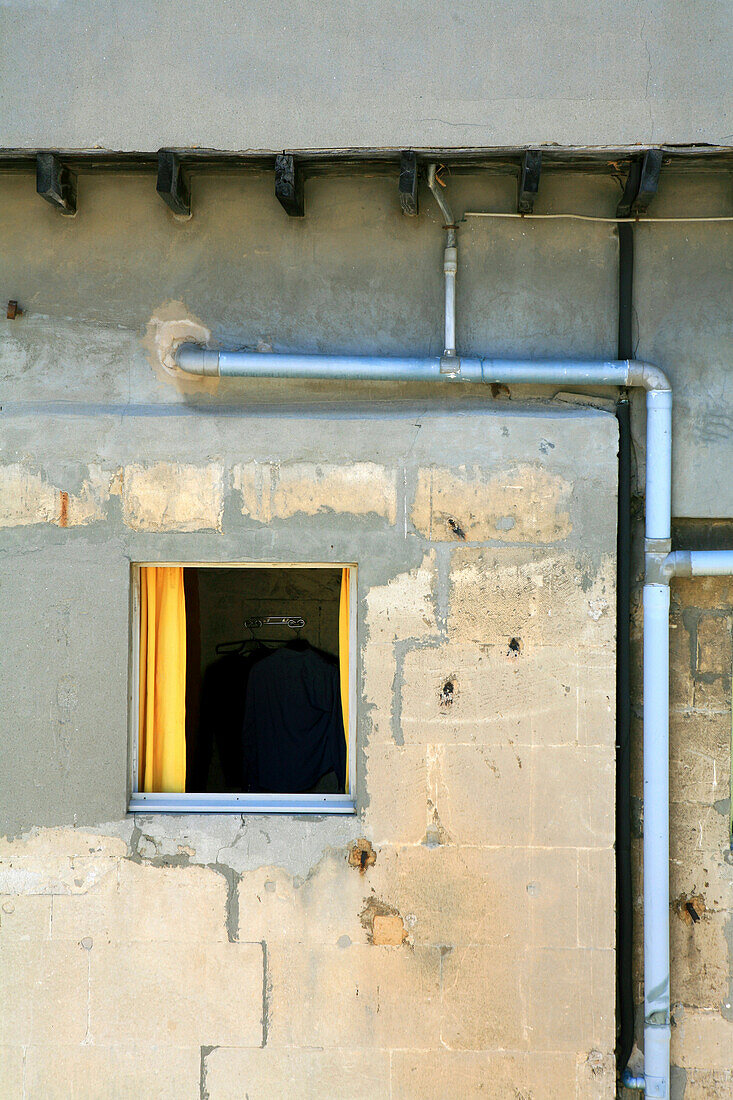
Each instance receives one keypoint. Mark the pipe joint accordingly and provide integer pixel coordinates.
(450, 260)
(658, 565)
(647, 376)
(450, 363)
(195, 359)
(632, 1081)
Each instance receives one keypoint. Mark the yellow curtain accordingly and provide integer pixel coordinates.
(162, 741)
(344, 660)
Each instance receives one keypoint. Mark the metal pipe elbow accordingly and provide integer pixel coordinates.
(647, 375)
(195, 359)
(440, 198)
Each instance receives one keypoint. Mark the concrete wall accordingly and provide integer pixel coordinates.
(486, 867)
(217, 74)
(356, 276)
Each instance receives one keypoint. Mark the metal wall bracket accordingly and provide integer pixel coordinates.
(173, 184)
(408, 184)
(56, 183)
(529, 181)
(289, 185)
(641, 184)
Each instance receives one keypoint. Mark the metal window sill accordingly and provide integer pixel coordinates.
(241, 803)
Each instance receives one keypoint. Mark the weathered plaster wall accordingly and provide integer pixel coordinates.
(107, 459)
(217, 74)
(215, 956)
(356, 276)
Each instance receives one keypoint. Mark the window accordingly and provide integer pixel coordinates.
(243, 688)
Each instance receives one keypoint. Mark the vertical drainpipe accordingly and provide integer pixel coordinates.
(624, 901)
(656, 744)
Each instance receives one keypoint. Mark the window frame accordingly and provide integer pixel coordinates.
(215, 803)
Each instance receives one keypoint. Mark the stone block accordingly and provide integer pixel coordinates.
(696, 829)
(596, 1076)
(540, 597)
(170, 496)
(484, 1000)
(149, 903)
(570, 999)
(700, 757)
(320, 907)
(59, 861)
(505, 897)
(525, 503)
(357, 997)
(705, 873)
(114, 1072)
(482, 1075)
(704, 593)
(11, 1071)
(702, 1039)
(596, 898)
(681, 667)
(177, 994)
(700, 974)
(44, 993)
(296, 1074)
(356, 488)
(404, 607)
(557, 797)
(27, 497)
(278, 491)
(492, 695)
(25, 917)
(379, 665)
(701, 1084)
(713, 650)
(396, 809)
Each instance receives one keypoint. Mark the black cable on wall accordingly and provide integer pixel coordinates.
(624, 901)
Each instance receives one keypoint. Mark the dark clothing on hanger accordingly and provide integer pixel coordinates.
(293, 726)
(223, 697)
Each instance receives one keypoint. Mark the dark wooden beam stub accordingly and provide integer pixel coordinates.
(651, 166)
(173, 184)
(529, 181)
(56, 183)
(289, 185)
(641, 184)
(408, 184)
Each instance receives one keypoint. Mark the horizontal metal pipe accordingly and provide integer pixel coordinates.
(700, 563)
(193, 359)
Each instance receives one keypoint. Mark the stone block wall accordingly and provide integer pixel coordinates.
(701, 866)
(453, 938)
